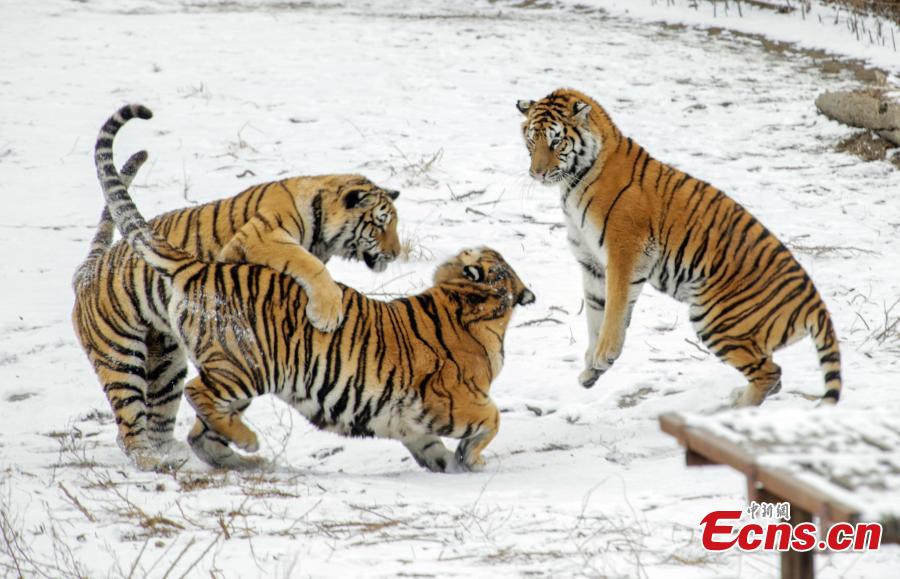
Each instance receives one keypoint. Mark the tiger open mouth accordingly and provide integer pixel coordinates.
(374, 262)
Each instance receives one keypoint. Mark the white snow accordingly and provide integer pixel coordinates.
(421, 97)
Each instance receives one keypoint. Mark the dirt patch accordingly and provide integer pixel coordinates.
(20, 397)
(635, 398)
(826, 62)
(869, 147)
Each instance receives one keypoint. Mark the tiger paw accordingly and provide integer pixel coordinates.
(747, 397)
(248, 442)
(169, 445)
(589, 377)
(445, 464)
(474, 466)
(604, 354)
(252, 463)
(325, 308)
(465, 461)
(147, 461)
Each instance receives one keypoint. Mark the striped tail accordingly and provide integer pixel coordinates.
(103, 238)
(154, 249)
(822, 331)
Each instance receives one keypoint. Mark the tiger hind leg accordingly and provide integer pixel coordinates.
(166, 369)
(117, 350)
(123, 376)
(763, 375)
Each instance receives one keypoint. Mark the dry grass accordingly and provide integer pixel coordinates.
(871, 21)
(419, 172)
(866, 145)
(19, 556)
(889, 9)
(413, 248)
(886, 331)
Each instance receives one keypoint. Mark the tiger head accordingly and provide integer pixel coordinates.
(561, 135)
(362, 223)
(487, 286)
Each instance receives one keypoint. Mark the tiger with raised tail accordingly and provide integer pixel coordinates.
(412, 369)
(632, 219)
(295, 226)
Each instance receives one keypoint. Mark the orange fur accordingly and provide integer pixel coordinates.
(633, 219)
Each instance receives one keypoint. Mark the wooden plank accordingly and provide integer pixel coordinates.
(805, 496)
(712, 449)
(672, 423)
(703, 447)
(796, 564)
(691, 458)
(719, 450)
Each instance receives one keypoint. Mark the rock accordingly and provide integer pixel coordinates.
(872, 109)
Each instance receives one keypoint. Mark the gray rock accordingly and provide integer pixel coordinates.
(870, 109)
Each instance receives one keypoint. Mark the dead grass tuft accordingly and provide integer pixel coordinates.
(412, 248)
(417, 173)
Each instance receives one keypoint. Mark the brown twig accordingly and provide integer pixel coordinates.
(141, 554)
(77, 503)
(538, 321)
(12, 551)
(200, 558)
(178, 558)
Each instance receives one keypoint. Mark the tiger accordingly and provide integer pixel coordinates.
(293, 225)
(413, 369)
(632, 219)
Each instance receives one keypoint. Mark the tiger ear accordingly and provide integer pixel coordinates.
(580, 111)
(524, 106)
(392, 193)
(473, 272)
(526, 296)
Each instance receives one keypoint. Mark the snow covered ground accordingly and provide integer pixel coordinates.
(421, 98)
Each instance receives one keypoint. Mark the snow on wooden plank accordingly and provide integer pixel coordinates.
(839, 463)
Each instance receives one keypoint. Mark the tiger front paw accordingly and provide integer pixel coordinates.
(246, 441)
(588, 377)
(476, 465)
(599, 359)
(466, 460)
(325, 309)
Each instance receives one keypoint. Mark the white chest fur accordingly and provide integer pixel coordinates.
(583, 235)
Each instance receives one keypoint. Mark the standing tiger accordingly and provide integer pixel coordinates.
(632, 219)
(412, 369)
(294, 226)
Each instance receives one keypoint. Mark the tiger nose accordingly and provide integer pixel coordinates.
(538, 174)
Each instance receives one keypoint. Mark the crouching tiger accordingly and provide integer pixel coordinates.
(632, 219)
(412, 369)
(294, 225)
